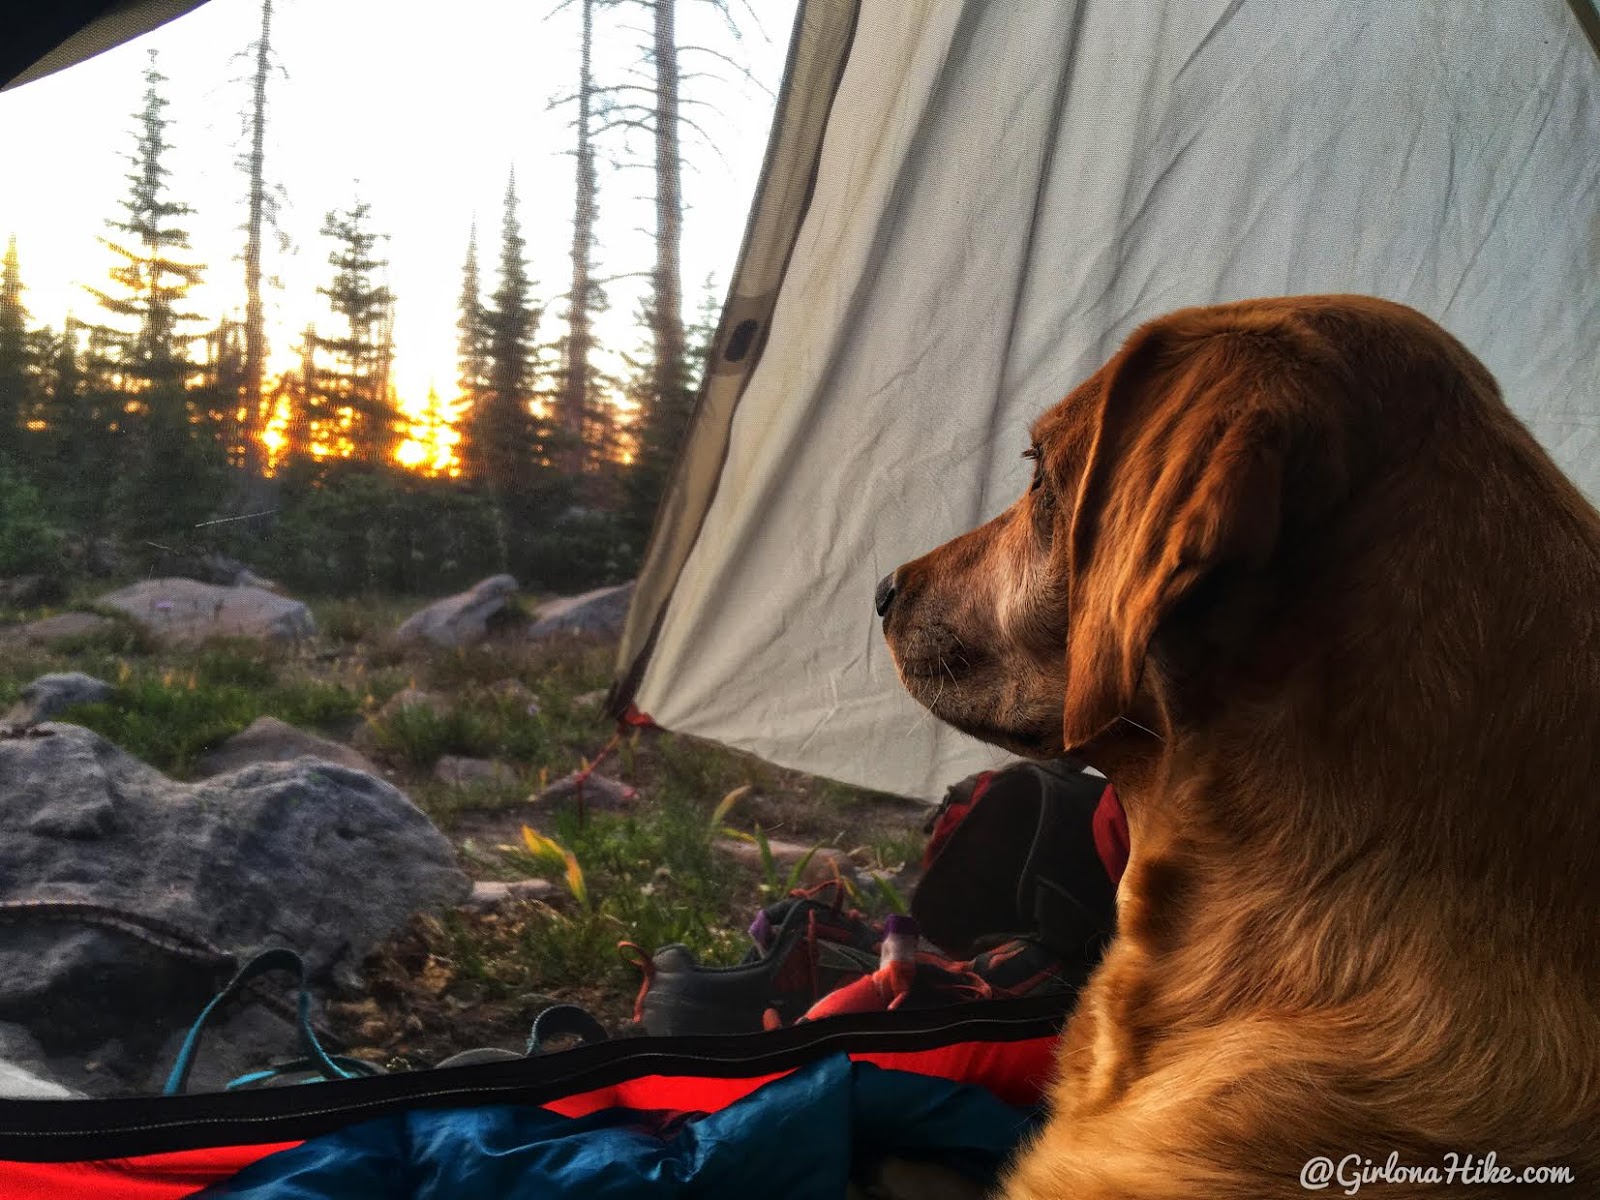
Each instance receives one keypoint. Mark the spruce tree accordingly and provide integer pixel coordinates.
(663, 417)
(153, 280)
(16, 368)
(354, 410)
(472, 342)
(504, 443)
(172, 469)
(73, 454)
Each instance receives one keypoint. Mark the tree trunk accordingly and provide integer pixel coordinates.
(255, 332)
(668, 315)
(575, 390)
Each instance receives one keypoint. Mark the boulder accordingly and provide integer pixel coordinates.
(219, 569)
(268, 739)
(411, 697)
(462, 619)
(31, 591)
(19, 1083)
(600, 613)
(472, 772)
(514, 693)
(24, 1073)
(185, 610)
(601, 793)
(51, 695)
(315, 856)
(66, 626)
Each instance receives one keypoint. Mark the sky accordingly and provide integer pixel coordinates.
(422, 118)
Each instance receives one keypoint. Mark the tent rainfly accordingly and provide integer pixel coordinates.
(967, 204)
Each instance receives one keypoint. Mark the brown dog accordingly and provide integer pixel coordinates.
(1297, 580)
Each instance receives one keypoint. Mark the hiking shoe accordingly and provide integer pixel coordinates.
(805, 947)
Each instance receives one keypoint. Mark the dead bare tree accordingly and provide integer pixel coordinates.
(652, 103)
(261, 206)
(583, 297)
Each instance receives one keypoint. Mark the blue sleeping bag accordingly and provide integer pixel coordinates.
(796, 1137)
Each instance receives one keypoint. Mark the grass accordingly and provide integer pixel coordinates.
(170, 718)
(650, 875)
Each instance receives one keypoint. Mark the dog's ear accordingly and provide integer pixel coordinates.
(1185, 476)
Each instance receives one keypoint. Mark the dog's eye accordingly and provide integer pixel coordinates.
(1032, 452)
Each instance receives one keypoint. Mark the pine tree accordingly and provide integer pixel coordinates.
(73, 452)
(505, 446)
(16, 374)
(354, 401)
(472, 343)
(153, 282)
(663, 418)
(431, 436)
(172, 469)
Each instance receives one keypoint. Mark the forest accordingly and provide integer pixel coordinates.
(142, 431)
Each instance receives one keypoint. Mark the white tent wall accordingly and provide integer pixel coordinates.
(1006, 188)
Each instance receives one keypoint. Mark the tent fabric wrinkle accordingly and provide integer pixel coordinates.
(1003, 192)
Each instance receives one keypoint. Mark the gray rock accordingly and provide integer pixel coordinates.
(514, 692)
(268, 739)
(50, 695)
(220, 569)
(31, 591)
(600, 793)
(411, 697)
(462, 619)
(19, 1083)
(325, 860)
(600, 613)
(185, 610)
(25, 1072)
(49, 630)
(471, 772)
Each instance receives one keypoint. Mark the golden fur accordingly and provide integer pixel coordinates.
(1299, 582)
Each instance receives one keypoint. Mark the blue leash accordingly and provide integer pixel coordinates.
(326, 1066)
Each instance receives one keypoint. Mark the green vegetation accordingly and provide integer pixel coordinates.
(649, 875)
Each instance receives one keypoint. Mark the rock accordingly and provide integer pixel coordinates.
(248, 578)
(462, 619)
(410, 697)
(512, 691)
(601, 793)
(600, 613)
(66, 626)
(18, 1083)
(31, 591)
(827, 860)
(489, 894)
(219, 569)
(248, 1038)
(184, 610)
(314, 856)
(590, 699)
(268, 739)
(471, 772)
(50, 695)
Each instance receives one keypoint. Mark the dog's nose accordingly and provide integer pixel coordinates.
(884, 596)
